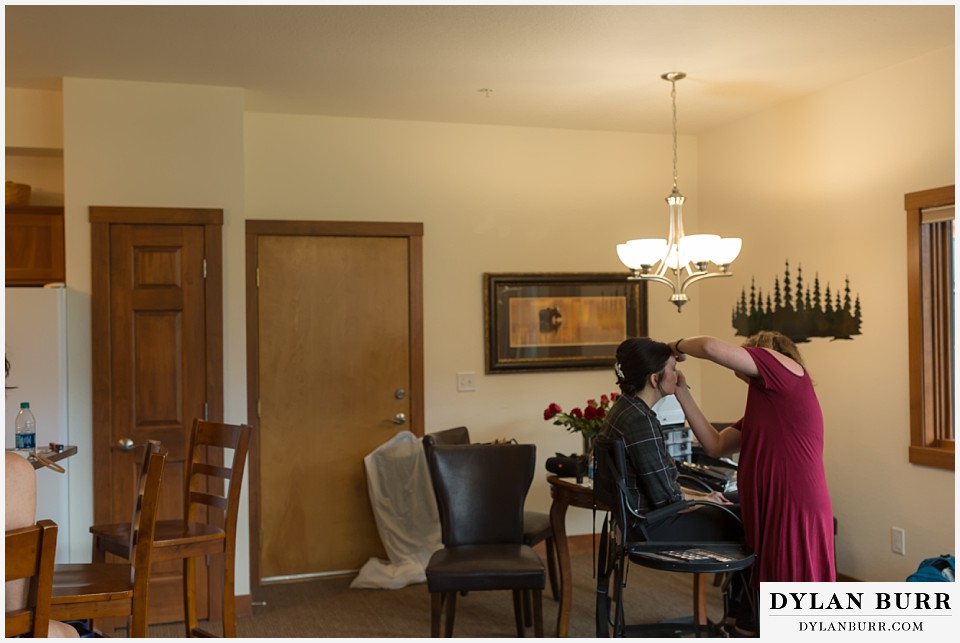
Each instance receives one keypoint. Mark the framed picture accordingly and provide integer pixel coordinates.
(559, 321)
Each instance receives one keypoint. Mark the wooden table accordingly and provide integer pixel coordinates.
(565, 493)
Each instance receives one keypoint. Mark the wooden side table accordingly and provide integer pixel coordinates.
(565, 493)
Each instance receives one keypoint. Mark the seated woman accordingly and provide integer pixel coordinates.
(21, 508)
(647, 371)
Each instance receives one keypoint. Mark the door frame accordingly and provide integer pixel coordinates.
(413, 233)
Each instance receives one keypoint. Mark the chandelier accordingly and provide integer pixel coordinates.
(679, 260)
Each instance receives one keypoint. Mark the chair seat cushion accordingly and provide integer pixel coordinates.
(484, 567)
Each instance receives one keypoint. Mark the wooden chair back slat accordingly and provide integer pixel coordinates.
(209, 500)
(202, 468)
(204, 438)
(30, 553)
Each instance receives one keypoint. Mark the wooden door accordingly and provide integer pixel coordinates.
(157, 358)
(338, 368)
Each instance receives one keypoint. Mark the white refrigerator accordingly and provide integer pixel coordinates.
(35, 343)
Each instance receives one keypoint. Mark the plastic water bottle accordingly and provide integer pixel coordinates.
(26, 426)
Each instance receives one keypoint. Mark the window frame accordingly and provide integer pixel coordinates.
(929, 444)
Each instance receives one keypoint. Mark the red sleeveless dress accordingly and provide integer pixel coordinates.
(787, 517)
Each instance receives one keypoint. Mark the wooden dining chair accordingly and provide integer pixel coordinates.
(103, 590)
(209, 523)
(30, 553)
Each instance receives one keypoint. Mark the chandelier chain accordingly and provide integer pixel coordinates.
(673, 97)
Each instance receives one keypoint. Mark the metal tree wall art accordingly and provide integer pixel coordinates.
(797, 311)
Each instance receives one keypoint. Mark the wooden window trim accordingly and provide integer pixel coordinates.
(928, 445)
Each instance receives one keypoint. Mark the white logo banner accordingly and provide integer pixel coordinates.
(863, 611)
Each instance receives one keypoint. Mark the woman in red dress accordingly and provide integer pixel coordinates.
(787, 517)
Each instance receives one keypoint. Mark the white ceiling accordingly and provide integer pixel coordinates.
(566, 66)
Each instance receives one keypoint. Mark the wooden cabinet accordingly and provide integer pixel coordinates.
(34, 245)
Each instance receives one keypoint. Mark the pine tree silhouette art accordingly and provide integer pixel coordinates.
(798, 312)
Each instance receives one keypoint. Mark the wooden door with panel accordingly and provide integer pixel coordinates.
(157, 358)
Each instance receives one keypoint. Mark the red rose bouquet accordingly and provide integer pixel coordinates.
(586, 421)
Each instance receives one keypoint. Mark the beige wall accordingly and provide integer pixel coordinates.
(128, 143)
(33, 118)
(820, 182)
(492, 199)
(502, 199)
(33, 138)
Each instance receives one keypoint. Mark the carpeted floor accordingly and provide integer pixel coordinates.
(329, 608)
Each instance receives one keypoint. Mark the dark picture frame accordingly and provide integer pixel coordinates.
(559, 321)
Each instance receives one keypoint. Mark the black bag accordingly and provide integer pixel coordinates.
(605, 492)
(567, 466)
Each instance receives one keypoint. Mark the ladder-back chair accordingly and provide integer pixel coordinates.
(103, 590)
(30, 553)
(209, 523)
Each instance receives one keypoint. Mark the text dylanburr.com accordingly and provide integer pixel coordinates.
(855, 610)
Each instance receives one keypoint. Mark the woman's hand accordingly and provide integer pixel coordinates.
(713, 496)
(717, 497)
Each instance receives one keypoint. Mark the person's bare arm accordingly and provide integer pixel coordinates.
(715, 443)
(736, 358)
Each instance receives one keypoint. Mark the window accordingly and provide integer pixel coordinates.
(930, 301)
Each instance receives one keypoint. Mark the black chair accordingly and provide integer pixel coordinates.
(480, 490)
(628, 537)
(536, 524)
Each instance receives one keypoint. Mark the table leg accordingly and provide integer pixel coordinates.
(699, 599)
(558, 519)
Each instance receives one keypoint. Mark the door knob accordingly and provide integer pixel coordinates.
(399, 418)
(125, 444)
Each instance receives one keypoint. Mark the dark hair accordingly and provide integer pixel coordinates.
(637, 359)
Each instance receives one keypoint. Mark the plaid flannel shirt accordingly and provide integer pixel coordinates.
(651, 473)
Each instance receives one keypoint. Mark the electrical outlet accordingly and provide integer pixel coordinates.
(898, 541)
(466, 382)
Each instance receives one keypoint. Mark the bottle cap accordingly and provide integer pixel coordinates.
(24, 405)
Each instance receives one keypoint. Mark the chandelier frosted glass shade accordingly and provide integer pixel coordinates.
(642, 253)
(726, 251)
(697, 248)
